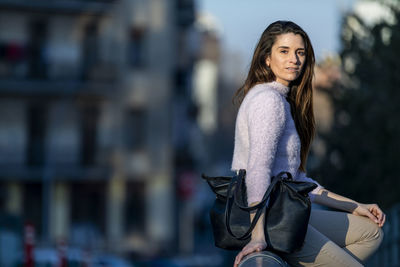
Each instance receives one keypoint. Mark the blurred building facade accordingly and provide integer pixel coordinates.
(86, 91)
(195, 125)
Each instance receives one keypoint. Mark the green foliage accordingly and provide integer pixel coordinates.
(363, 148)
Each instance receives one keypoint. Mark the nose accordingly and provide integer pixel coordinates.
(294, 58)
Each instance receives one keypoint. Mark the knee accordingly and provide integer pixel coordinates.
(377, 235)
(380, 235)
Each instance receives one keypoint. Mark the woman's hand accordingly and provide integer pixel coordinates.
(330, 199)
(371, 211)
(251, 247)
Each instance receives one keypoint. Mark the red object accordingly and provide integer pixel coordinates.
(29, 243)
(62, 254)
(14, 52)
(186, 185)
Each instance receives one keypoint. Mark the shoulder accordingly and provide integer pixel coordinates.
(263, 103)
(263, 96)
(261, 93)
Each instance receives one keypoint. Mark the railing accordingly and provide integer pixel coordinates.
(66, 172)
(61, 6)
(263, 259)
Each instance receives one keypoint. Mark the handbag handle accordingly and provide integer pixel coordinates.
(259, 206)
(265, 197)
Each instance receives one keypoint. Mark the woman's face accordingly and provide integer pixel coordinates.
(287, 57)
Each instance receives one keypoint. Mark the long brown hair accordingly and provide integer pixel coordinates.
(300, 96)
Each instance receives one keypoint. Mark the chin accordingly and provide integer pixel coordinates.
(292, 78)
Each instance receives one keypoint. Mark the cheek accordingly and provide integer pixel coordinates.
(303, 63)
(277, 62)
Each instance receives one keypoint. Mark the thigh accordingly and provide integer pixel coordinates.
(319, 250)
(341, 227)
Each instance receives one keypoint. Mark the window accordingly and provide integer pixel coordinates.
(135, 129)
(37, 116)
(135, 213)
(90, 50)
(89, 119)
(33, 205)
(37, 49)
(88, 204)
(136, 47)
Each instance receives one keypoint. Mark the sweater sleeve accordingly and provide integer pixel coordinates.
(266, 122)
(302, 177)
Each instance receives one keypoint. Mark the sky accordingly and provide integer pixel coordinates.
(242, 22)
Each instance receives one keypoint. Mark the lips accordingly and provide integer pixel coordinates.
(293, 69)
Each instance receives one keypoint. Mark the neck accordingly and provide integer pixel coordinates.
(281, 88)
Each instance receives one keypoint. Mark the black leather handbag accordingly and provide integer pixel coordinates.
(287, 212)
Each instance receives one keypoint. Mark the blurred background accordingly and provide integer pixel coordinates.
(111, 109)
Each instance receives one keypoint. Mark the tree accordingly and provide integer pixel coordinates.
(362, 150)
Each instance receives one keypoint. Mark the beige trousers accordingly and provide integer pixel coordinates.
(337, 239)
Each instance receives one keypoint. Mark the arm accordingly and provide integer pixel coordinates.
(332, 200)
(266, 122)
(257, 242)
(302, 177)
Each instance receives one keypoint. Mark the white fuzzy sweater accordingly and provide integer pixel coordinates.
(266, 139)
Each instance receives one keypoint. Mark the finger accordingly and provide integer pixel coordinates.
(381, 214)
(375, 213)
(237, 260)
(378, 215)
(246, 252)
(372, 217)
(383, 220)
(240, 256)
(375, 210)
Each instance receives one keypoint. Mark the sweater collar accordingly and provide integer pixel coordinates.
(282, 89)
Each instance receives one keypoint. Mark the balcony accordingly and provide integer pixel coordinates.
(93, 7)
(60, 171)
(25, 74)
(54, 88)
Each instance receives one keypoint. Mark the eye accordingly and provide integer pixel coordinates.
(284, 51)
(301, 53)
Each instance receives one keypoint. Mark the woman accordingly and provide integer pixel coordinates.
(274, 129)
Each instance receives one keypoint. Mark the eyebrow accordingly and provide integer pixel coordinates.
(287, 47)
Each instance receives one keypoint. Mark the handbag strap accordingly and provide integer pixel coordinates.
(232, 196)
(274, 179)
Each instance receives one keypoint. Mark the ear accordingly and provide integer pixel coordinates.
(267, 61)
